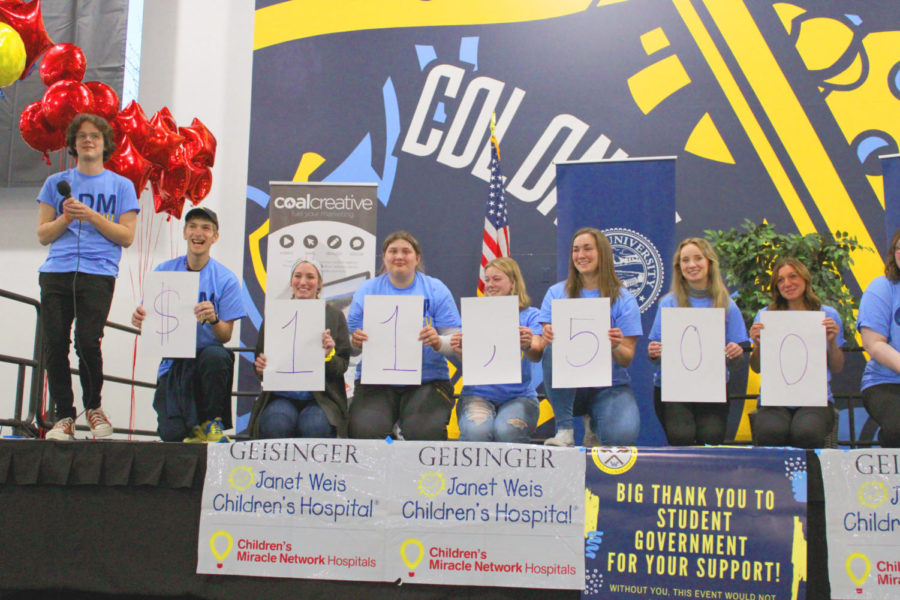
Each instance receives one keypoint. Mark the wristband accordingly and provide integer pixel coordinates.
(214, 322)
(330, 356)
(67, 218)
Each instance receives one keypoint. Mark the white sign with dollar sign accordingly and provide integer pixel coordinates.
(170, 329)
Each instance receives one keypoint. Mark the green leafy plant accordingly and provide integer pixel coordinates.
(747, 254)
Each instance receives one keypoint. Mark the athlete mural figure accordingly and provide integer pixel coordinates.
(86, 215)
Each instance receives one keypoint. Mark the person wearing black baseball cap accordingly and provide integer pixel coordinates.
(193, 396)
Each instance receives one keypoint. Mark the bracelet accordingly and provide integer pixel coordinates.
(67, 218)
(214, 322)
(330, 356)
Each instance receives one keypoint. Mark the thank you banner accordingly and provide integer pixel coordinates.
(422, 512)
(862, 522)
(696, 523)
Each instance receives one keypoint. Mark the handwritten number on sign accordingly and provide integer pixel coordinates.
(396, 318)
(694, 359)
(294, 369)
(793, 379)
(591, 335)
(161, 304)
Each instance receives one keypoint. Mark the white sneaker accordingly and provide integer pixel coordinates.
(563, 437)
(590, 440)
(100, 425)
(63, 430)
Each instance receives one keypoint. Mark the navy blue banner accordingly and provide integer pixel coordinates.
(727, 523)
(633, 202)
(890, 169)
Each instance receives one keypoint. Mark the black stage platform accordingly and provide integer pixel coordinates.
(84, 519)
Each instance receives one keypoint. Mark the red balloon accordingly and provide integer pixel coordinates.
(128, 162)
(164, 203)
(37, 133)
(132, 122)
(106, 101)
(200, 184)
(162, 141)
(63, 61)
(166, 115)
(176, 176)
(200, 144)
(25, 18)
(65, 99)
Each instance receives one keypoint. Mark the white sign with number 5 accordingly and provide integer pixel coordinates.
(582, 355)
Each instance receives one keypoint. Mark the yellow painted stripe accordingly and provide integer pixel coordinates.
(795, 130)
(745, 115)
(297, 19)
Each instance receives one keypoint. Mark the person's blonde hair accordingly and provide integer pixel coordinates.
(715, 286)
(510, 268)
(610, 286)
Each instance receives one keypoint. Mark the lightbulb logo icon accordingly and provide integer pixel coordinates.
(218, 540)
(872, 494)
(419, 549)
(858, 568)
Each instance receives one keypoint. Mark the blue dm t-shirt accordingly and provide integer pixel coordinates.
(624, 314)
(81, 246)
(501, 392)
(439, 311)
(879, 310)
(735, 329)
(217, 285)
(829, 312)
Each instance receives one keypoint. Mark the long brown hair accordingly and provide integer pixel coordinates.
(810, 300)
(891, 270)
(407, 237)
(610, 286)
(510, 268)
(715, 286)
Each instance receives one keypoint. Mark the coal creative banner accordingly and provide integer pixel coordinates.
(776, 110)
(722, 523)
(862, 522)
(633, 202)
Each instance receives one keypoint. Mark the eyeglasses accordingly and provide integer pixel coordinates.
(93, 136)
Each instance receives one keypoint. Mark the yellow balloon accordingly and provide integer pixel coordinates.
(12, 55)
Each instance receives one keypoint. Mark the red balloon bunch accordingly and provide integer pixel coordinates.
(175, 160)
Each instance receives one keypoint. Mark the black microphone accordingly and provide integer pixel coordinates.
(64, 189)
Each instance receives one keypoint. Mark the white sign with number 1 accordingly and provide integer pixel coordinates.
(393, 353)
(295, 359)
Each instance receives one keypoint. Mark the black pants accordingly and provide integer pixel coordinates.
(421, 411)
(690, 423)
(802, 427)
(213, 371)
(882, 402)
(84, 298)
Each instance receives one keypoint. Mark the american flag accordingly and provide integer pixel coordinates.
(495, 242)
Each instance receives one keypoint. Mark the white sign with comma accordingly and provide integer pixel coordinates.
(491, 350)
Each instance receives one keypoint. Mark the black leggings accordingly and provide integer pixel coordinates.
(882, 402)
(690, 423)
(421, 411)
(803, 427)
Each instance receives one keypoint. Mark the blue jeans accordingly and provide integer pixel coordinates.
(615, 418)
(286, 418)
(481, 420)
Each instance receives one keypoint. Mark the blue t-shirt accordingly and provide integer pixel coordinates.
(109, 194)
(735, 329)
(439, 311)
(501, 392)
(217, 285)
(624, 314)
(833, 314)
(879, 310)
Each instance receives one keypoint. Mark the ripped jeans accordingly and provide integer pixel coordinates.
(481, 420)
